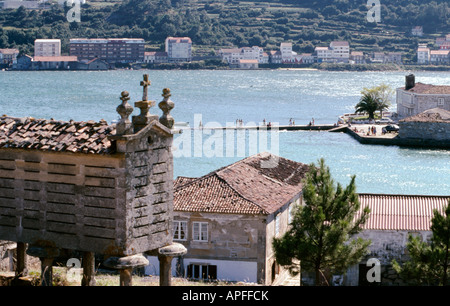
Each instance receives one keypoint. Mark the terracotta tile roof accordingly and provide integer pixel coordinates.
(421, 88)
(401, 212)
(182, 180)
(57, 136)
(245, 187)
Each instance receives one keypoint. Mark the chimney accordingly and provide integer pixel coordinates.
(410, 82)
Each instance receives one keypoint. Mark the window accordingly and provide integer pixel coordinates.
(200, 231)
(202, 271)
(441, 102)
(179, 230)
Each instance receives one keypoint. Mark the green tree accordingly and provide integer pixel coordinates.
(384, 93)
(429, 262)
(320, 233)
(369, 104)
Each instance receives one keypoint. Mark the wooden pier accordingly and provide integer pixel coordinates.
(321, 127)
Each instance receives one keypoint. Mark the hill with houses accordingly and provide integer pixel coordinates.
(213, 25)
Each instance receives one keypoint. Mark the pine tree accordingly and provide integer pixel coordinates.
(320, 232)
(429, 263)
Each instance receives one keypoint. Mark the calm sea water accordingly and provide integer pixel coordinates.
(224, 96)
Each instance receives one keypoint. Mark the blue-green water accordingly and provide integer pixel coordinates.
(224, 96)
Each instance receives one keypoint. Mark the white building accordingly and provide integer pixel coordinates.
(234, 55)
(337, 52)
(438, 57)
(341, 50)
(179, 49)
(417, 31)
(423, 55)
(155, 57)
(324, 54)
(8, 56)
(47, 47)
(248, 64)
(416, 98)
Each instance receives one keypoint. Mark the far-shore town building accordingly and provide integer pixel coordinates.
(54, 62)
(178, 49)
(155, 57)
(416, 98)
(234, 55)
(8, 57)
(337, 52)
(47, 47)
(111, 50)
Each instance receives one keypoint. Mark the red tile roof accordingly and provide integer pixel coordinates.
(245, 187)
(421, 88)
(57, 136)
(401, 212)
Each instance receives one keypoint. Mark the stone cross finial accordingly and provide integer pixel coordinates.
(144, 117)
(166, 105)
(124, 125)
(145, 83)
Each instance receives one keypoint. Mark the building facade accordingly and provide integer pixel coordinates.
(416, 98)
(178, 49)
(155, 57)
(439, 57)
(8, 57)
(227, 219)
(54, 63)
(392, 219)
(357, 57)
(423, 55)
(47, 47)
(233, 56)
(111, 50)
(337, 52)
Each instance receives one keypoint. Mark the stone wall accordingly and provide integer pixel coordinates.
(6, 255)
(386, 246)
(439, 131)
(419, 103)
(425, 102)
(232, 237)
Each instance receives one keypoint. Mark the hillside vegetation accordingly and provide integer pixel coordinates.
(215, 24)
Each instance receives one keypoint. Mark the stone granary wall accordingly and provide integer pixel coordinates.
(87, 186)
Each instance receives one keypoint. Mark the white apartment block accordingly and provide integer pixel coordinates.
(179, 49)
(235, 55)
(286, 52)
(423, 55)
(47, 47)
(439, 57)
(341, 50)
(324, 54)
(338, 51)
